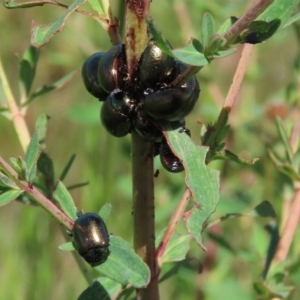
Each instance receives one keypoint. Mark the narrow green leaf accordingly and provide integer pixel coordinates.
(177, 248)
(124, 265)
(221, 241)
(27, 67)
(45, 167)
(103, 288)
(226, 25)
(291, 20)
(273, 231)
(263, 210)
(96, 5)
(216, 44)
(161, 43)
(41, 128)
(234, 158)
(24, 4)
(289, 171)
(67, 247)
(284, 137)
(190, 55)
(62, 82)
(77, 185)
(63, 197)
(208, 28)
(6, 182)
(259, 31)
(20, 167)
(280, 10)
(9, 196)
(223, 53)
(67, 168)
(41, 34)
(200, 179)
(105, 211)
(31, 157)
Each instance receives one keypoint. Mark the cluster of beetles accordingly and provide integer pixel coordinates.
(149, 104)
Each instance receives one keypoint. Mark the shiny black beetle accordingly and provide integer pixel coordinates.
(89, 74)
(91, 239)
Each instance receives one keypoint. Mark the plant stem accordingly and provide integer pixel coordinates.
(142, 155)
(35, 194)
(289, 228)
(143, 210)
(177, 215)
(244, 21)
(238, 77)
(16, 115)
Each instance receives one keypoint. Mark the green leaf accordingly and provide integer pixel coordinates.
(7, 182)
(284, 137)
(177, 248)
(41, 128)
(31, 157)
(259, 31)
(41, 34)
(234, 158)
(62, 82)
(208, 28)
(263, 210)
(223, 53)
(67, 168)
(280, 10)
(96, 5)
(105, 211)
(124, 265)
(216, 44)
(273, 231)
(221, 241)
(190, 55)
(226, 25)
(65, 200)
(161, 43)
(27, 67)
(77, 185)
(103, 288)
(289, 171)
(20, 167)
(200, 179)
(9, 196)
(45, 167)
(291, 20)
(67, 247)
(11, 4)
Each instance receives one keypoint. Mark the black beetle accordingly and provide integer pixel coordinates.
(91, 238)
(146, 129)
(89, 72)
(174, 103)
(168, 159)
(115, 113)
(154, 66)
(112, 70)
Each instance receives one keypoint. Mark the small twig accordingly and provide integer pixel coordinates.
(17, 117)
(36, 195)
(289, 228)
(238, 77)
(177, 215)
(244, 21)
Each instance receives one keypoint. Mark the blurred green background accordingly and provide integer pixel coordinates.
(32, 267)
